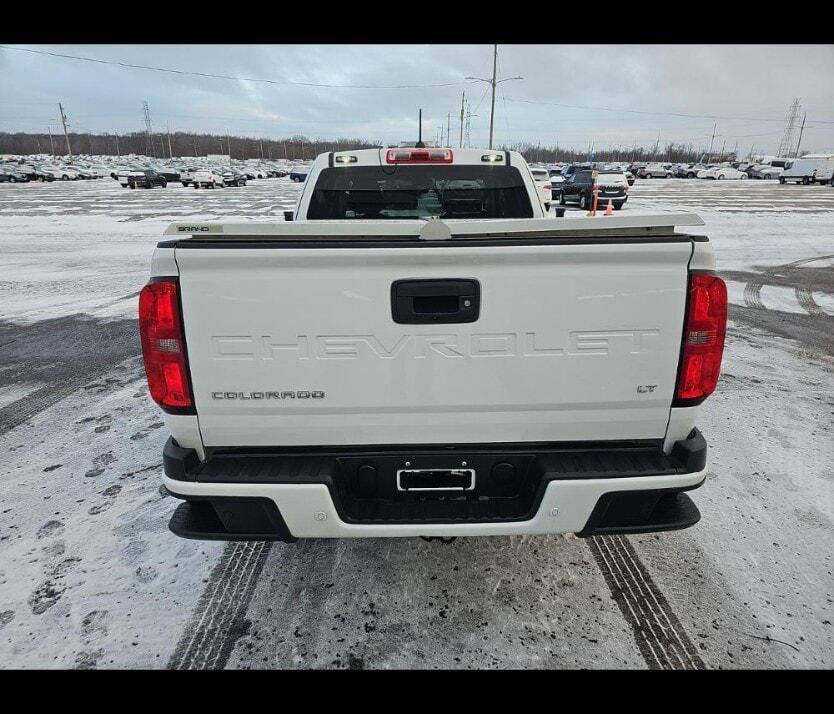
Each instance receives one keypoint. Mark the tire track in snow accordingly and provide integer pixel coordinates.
(219, 617)
(661, 639)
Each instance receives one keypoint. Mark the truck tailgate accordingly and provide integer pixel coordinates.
(291, 345)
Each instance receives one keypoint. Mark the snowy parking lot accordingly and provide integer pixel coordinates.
(91, 577)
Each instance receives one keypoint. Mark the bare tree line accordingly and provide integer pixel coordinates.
(181, 144)
(672, 153)
(301, 147)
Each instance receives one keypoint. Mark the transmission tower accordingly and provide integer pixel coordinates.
(787, 144)
(148, 129)
(466, 131)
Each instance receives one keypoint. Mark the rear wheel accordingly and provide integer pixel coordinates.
(12, 179)
(720, 177)
(805, 181)
(64, 177)
(690, 175)
(584, 202)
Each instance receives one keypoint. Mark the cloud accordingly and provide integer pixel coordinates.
(751, 85)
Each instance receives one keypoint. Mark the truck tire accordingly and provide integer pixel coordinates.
(64, 177)
(12, 179)
(690, 175)
(164, 183)
(805, 181)
(742, 177)
(584, 202)
(618, 206)
(781, 180)
(184, 184)
(561, 198)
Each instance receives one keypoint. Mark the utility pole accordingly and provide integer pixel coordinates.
(261, 143)
(168, 129)
(229, 143)
(51, 143)
(462, 100)
(493, 82)
(449, 129)
(492, 109)
(801, 129)
(118, 153)
(64, 122)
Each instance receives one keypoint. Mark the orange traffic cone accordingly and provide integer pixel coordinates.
(609, 211)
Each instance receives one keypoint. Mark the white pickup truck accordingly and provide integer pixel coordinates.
(420, 351)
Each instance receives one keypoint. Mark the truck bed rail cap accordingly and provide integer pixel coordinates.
(346, 229)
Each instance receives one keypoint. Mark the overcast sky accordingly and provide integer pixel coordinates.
(748, 88)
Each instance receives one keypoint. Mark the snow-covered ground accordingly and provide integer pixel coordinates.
(90, 576)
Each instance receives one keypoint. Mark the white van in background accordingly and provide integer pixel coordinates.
(812, 168)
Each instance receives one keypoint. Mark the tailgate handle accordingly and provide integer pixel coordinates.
(427, 301)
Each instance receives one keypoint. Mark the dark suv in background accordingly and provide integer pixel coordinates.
(579, 188)
(146, 179)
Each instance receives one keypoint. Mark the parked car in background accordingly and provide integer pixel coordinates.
(169, 174)
(556, 180)
(728, 172)
(655, 171)
(707, 172)
(299, 173)
(84, 173)
(146, 179)
(233, 177)
(60, 173)
(543, 186)
(13, 174)
(579, 188)
(208, 178)
(812, 168)
(187, 176)
(764, 171)
(42, 175)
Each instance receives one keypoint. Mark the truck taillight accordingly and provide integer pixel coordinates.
(163, 344)
(419, 156)
(703, 339)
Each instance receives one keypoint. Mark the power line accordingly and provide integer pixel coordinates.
(667, 114)
(234, 79)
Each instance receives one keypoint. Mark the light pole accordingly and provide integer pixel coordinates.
(493, 82)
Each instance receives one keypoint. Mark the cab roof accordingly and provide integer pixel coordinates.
(395, 156)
